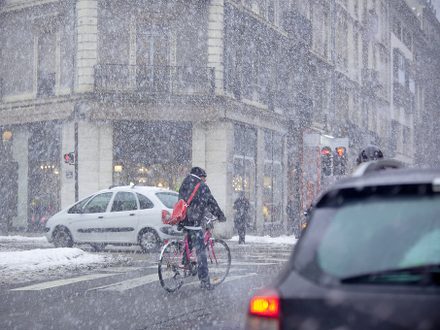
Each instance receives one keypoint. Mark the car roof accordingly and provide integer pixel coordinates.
(135, 188)
(386, 177)
(391, 177)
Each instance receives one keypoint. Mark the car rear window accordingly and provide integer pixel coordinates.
(364, 235)
(168, 199)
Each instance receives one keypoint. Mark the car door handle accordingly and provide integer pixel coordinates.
(131, 214)
(101, 217)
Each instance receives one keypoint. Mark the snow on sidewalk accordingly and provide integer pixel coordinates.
(46, 259)
(28, 265)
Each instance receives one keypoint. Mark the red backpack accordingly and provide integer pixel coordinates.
(179, 210)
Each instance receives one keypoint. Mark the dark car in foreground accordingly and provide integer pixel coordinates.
(368, 259)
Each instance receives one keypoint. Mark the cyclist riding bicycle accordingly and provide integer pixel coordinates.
(370, 153)
(202, 202)
(371, 159)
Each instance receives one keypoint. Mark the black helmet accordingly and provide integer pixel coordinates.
(198, 171)
(369, 153)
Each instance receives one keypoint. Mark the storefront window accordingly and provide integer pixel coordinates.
(44, 173)
(151, 154)
(245, 149)
(272, 180)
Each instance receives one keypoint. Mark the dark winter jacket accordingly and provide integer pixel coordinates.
(202, 202)
(241, 218)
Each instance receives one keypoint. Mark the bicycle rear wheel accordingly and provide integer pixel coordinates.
(219, 261)
(169, 267)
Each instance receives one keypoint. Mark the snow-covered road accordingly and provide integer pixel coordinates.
(42, 260)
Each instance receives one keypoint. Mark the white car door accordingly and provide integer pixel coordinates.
(149, 214)
(122, 219)
(89, 226)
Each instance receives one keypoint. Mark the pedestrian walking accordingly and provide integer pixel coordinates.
(241, 218)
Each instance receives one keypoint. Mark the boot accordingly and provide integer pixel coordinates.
(206, 284)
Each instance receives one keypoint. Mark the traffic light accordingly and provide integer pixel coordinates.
(339, 161)
(326, 161)
(69, 158)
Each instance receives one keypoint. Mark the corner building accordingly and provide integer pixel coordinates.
(146, 90)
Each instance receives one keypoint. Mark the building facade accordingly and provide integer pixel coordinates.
(373, 79)
(251, 90)
(140, 93)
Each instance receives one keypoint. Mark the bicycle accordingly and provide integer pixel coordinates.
(177, 262)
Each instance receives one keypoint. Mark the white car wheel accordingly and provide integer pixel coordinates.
(149, 240)
(62, 237)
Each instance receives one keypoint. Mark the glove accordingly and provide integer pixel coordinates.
(222, 219)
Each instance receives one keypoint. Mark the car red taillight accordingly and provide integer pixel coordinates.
(266, 304)
(165, 216)
(264, 310)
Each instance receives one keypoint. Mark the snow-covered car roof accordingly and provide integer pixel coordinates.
(138, 188)
(391, 177)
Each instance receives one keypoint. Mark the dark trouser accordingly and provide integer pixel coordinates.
(241, 234)
(196, 239)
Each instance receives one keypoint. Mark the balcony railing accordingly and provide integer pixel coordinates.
(174, 80)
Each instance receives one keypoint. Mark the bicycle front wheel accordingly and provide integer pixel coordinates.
(219, 260)
(169, 268)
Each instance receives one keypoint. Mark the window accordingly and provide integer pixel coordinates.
(272, 180)
(406, 136)
(98, 203)
(77, 208)
(380, 218)
(407, 38)
(272, 11)
(113, 38)
(318, 29)
(342, 41)
(124, 201)
(153, 58)
(168, 199)
(245, 150)
(383, 22)
(46, 64)
(397, 27)
(146, 154)
(356, 8)
(256, 73)
(356, 53)
(399, 64)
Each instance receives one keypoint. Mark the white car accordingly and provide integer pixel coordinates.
(118, 215)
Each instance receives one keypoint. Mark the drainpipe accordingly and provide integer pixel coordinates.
(76, 106)
(76, 114)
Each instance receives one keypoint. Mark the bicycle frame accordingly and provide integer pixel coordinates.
(207, 240)
(178, 260)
